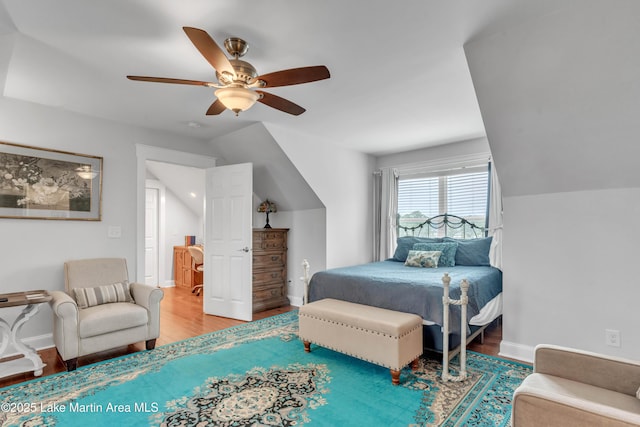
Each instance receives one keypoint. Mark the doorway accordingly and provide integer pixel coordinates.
(154, 232)
(166, 159)
(178, 213)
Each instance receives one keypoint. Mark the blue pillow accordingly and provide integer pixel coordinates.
(472, 251)
(448, 249)
(405, 244)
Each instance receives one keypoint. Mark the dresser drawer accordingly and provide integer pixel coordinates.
(271, 276)
(267, 260)
(262, 294)
(269, 240)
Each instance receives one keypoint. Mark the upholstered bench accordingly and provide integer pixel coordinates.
(387, 338)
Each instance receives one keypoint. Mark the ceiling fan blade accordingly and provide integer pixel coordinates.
(280, 103)
(210, 50)
(168, 80)
(295, 76)
(216, 108)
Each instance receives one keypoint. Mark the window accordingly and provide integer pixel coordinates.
(462, 192)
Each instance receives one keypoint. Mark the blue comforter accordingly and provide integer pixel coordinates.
(392, 285)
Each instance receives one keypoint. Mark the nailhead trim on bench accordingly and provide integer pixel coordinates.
(360, 328)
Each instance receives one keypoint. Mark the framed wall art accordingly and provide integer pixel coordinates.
(40, 183)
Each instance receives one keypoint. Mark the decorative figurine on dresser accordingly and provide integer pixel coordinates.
(269, 268)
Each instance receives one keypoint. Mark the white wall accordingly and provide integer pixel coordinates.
(439, 152)
(570, 271)
(342, 179)
(33, 251)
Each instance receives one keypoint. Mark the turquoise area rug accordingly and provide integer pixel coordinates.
(257, 374)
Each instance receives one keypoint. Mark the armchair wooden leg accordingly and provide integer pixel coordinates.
(151, 344)
(71, 364)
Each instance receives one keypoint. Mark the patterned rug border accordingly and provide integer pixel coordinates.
(499, 359)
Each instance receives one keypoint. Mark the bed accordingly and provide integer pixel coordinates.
(401, 285)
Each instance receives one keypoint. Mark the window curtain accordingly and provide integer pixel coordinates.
(495, 218)
(385, 206)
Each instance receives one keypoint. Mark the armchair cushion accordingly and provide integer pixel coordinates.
(115, 292)
(578, 388)
(103, 319)
(543, 398)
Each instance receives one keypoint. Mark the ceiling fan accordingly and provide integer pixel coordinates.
(238, 81)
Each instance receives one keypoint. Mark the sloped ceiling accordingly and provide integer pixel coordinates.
(187, 183)
(274, 176)
(560, 98)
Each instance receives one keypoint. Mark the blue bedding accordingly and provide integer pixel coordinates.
(392, 285)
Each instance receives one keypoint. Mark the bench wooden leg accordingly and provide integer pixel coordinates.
(415, 364)
(395, 377)
(307, 346)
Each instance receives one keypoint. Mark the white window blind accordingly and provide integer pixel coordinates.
(462, 192)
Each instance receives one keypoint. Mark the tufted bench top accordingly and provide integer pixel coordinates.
(388, 322)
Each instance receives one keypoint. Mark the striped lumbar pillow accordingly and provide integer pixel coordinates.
(116, 292)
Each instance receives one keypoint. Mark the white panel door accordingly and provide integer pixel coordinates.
(151, 236)
(228, 239)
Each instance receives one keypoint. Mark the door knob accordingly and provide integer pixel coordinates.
(245, 249)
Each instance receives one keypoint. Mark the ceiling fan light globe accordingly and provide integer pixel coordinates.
(237, 99)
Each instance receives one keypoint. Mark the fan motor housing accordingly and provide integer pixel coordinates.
(245, 72)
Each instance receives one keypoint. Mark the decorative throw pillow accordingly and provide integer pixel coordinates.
(448, 249)
(116, 292)
(426, 259)
(405, 244)
(472, 251)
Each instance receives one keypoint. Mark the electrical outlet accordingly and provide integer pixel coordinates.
(612, 337)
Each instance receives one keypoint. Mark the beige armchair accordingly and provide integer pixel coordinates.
(100, 310)
(578, 388)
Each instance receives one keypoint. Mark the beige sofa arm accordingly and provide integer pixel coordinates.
(612, 373)
(65, 324)
(149, 297)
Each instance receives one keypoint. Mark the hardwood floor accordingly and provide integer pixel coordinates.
(182, 317)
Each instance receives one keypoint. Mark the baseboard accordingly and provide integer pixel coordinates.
(39, 342)
(295, 301)
(516, 351)
(168, 284)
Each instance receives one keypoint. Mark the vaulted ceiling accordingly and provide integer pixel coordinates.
(399, 77)
(551, 83)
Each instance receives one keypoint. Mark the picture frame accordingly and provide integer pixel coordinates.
(41, 183)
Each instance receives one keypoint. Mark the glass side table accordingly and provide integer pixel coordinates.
(31, 360)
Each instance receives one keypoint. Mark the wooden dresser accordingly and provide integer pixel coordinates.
(183, 273)
(269, 268)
